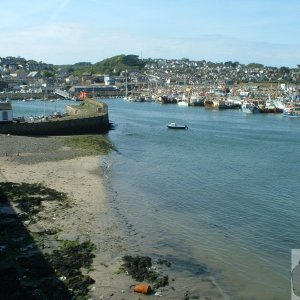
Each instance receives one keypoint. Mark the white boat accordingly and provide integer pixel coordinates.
(291, 115)
(249, 108)
(182, 103)
(173, 125)
(292, 111)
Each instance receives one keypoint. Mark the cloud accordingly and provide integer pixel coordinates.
(221, 48)
(67, 42)
(43, 42)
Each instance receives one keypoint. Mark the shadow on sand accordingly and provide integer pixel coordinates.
(26, 272)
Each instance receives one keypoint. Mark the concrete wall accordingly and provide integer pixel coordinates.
(98, 124)
(79, 124)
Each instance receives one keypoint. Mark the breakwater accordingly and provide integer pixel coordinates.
(90, 117)
(50, 95)
(27, 96)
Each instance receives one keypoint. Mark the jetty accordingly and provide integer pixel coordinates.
(89, 116)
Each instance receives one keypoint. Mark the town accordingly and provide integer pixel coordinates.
(165, 80)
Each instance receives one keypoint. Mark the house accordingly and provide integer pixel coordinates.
(34, 75)
(6, 112)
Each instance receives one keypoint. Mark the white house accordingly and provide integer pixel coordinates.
(6, 112)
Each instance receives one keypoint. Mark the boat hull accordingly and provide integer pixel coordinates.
(175, 126)
(291, 115)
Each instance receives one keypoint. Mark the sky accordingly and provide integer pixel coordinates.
(71, 31)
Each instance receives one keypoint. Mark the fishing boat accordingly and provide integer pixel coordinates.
(270, 107)
(291, 114)
(292, 111)
(182, 103)
(176, 126)
(249, 108)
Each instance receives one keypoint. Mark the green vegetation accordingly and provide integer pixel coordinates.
(110, 66)
(91, 144)
(68, 260)
(255, 66)
(48, 74)
(76, 69)
(117, 64)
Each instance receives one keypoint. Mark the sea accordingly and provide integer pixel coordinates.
(225, 193)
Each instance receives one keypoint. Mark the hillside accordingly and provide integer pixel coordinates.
(114, 65)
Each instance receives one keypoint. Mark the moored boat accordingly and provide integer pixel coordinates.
(291, 114)
(250, 108)
(182, 103)
(173, 125)
(270, 107)
(211, 103)
(292, 111)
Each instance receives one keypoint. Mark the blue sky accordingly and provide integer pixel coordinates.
(70, 31)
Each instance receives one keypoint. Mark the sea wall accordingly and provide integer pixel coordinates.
(87, 107)
(96, 124)
(27, 96)
(95, 119)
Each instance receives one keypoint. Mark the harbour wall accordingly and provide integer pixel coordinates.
(91, 121)
(50, 95)
(27, 96)
(88, 125)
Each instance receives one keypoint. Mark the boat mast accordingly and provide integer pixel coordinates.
(126, 87)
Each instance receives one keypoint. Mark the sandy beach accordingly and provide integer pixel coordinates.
(87, 217)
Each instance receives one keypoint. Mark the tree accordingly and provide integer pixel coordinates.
(70, 70)
(255, 65)
(284, 70)
(48, 74)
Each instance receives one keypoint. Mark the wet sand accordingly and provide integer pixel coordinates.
(45, 160)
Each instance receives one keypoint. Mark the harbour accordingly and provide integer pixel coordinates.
(222, 194)
(149, 151)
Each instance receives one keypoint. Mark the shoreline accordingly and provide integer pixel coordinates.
(34, 160)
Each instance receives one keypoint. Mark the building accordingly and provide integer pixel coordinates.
(6, 112)
(95, 90)
(3, 85)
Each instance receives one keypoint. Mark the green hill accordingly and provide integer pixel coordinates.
(117, 64)
(110, 66)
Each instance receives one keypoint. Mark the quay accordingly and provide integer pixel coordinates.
(88, 117)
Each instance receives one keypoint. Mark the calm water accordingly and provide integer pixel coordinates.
(224, 193)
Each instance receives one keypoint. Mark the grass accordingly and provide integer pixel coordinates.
(91, 144)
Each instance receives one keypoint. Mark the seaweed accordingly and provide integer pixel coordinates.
(29, 197)
(68, 261)
(163, 262)
(27, 273)
(140, 268)
(91, 144)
